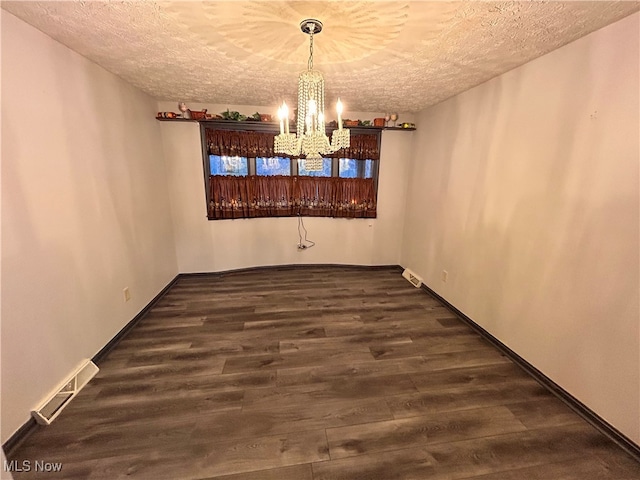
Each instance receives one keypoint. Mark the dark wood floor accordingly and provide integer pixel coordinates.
(321, 373)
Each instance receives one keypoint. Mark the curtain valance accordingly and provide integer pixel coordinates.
(240, 143)
(244, 143)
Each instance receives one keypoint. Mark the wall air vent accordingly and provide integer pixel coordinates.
(61, 396)
(412, 277)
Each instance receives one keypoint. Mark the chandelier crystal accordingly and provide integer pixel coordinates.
(310, 139)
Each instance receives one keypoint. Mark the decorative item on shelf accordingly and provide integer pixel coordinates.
(167, 115)
(310, 139)
(237, 116)
(186, 113)
(394, 117)
(199, 115)
(408, 125)
(366, 123)
(351, 123)
(387, 117)
(379, 122)
(265, 117)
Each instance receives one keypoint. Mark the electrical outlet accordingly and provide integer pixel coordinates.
(127, 294)
(445, 275)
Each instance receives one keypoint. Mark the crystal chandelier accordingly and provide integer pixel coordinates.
(310, 139)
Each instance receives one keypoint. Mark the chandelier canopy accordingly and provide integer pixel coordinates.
(310, 139)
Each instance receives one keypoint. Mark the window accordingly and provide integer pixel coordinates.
(273, 166)
(368, 168)
(325, 172)
(223, 165)
(347, 167)
(245, 178)
(352, 168)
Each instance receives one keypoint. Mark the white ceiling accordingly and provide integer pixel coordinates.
(376, 55)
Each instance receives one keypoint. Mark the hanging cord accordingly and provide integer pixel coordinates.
(303, 243)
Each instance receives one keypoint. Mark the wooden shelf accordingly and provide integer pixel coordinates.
(399, 128)
(175, 119)
(267, 126)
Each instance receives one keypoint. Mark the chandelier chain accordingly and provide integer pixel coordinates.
(310, 63)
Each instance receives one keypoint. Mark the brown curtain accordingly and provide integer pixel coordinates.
(278, 196)
(315, 196)
(362, 147)
(240, 143)
(229, 197)
(354, 197)
(243, 143)
(273, 196)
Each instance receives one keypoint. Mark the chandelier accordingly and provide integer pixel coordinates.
(310, 139)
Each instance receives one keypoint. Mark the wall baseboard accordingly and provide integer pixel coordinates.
(291, 266)
(576, 405)
(19, 436)
(30, 425)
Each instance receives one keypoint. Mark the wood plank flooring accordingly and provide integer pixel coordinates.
(317, 373)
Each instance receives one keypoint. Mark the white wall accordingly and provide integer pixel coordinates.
(85, 213)
(207, 246)
(525, 189)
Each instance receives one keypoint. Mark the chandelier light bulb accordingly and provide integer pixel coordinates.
(313, 106)
(285, 115)
(281, 118)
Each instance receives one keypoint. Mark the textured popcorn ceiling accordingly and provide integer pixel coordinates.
(375, 55)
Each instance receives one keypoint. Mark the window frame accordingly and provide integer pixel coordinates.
(273, 127)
